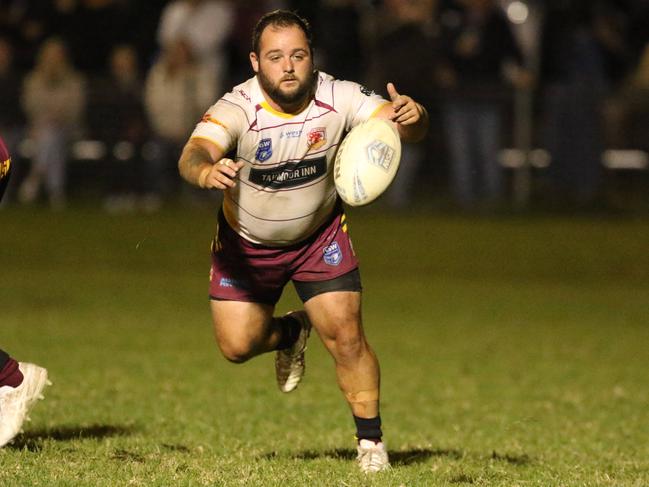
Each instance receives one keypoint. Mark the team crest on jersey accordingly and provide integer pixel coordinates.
(316, 138)
(264, 150)
(332, 255)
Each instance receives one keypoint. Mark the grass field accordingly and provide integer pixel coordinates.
(514, 351)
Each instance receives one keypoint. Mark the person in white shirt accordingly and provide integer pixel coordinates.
(176, 91)
(282, 219)
(205, 25)
(54, 100)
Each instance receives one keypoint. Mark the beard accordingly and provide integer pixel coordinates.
(288, 98)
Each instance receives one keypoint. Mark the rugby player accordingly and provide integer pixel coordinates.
(21, 383)
(282, 220)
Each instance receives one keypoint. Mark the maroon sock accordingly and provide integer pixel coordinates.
(10, 375)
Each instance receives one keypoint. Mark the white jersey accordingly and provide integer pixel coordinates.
(285, 190)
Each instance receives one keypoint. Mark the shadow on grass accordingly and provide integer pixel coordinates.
(397, 458)
(518, 460)
(33, 440)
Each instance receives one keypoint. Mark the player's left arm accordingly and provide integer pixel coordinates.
(410, 117)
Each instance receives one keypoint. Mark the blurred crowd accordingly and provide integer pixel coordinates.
(130, 79)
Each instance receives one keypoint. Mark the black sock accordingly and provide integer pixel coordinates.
(368, 428)
(291, 328)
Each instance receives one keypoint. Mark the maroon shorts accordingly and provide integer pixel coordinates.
(244, 271)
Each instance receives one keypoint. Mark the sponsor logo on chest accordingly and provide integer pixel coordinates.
(291, 134)
(290, 174)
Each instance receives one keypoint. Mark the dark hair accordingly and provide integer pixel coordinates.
(280, 18)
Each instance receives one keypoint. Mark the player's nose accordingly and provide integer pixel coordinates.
(288, 65)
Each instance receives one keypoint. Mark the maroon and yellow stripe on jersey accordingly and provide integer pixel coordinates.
(5, 167)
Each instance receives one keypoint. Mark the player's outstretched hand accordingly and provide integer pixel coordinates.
(221, 175)
(406, 110)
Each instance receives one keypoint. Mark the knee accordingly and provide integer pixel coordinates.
(349, 346)
(236, 353)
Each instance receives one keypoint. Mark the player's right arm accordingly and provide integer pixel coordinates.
(202, 164)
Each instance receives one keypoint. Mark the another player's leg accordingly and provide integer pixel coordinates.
(21, 384)
(336, 316)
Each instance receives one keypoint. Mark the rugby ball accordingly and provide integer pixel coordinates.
(367, 161)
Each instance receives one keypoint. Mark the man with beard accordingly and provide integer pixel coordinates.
(282, 220)
(21, 383)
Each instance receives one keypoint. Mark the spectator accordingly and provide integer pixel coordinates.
(246, 14)
(398, 58)
(92, 28)
(143, 24)
(116, 116)
(337, 27)
(582, 52)
(177, 90)
(26, 25)
(205, 26)
(54, 100)
(478, 44)
(627, 112)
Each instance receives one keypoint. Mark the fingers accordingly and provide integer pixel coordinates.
(405, 110)
(398, 100)
(392, 91)
(408, 114)
(222, 175)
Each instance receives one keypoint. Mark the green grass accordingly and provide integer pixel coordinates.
(513, 352)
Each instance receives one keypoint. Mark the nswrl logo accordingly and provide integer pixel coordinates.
(380, 154)
(332, 255)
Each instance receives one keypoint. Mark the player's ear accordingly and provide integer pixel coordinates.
(254, 62)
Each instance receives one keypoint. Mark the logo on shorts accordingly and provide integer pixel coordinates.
(332, 254)
(228, 282)
(264, 150)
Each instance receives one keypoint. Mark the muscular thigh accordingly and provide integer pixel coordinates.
(336, 315)
(239, 321)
